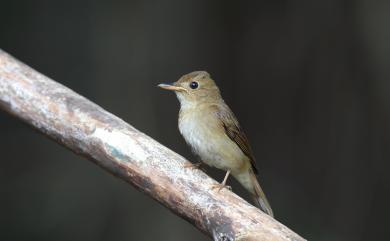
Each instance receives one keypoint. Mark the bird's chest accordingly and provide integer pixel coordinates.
(198, 130)
(203, 133)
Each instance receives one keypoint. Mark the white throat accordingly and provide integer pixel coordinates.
(184, 102)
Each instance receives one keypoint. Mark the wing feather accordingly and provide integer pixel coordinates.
(234, 132)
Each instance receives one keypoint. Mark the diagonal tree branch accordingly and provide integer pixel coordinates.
(88, 130)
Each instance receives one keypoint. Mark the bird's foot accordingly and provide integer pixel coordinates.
(192, 165)
(220, 186)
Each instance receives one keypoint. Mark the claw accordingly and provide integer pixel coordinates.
(192, 165)
(220, 186)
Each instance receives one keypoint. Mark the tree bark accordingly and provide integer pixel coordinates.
(88, 130)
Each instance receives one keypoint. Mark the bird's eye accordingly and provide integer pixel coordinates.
(194, 85)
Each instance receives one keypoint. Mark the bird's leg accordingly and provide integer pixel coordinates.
(221, 185)
(192, 165)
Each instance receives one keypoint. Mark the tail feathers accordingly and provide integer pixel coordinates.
(259, 196)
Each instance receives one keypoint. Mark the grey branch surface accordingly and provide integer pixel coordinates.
(88, 130)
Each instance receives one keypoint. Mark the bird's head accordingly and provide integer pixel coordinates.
(194, 88)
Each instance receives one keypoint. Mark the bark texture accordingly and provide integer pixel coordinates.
(88, 130)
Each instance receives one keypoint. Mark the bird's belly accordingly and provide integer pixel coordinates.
(212, 145)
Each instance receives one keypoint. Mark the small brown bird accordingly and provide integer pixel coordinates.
(211, 129)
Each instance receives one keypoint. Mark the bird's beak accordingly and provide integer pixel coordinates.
(171, 86)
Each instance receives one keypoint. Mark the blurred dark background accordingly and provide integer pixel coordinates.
(308, 80)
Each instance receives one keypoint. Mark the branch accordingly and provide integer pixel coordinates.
(88, 130)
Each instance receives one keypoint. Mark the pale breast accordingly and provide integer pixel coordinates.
(208, 140)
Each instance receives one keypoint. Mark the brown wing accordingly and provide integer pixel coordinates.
(234, 132)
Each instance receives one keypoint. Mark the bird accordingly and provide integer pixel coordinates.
(212, 131)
